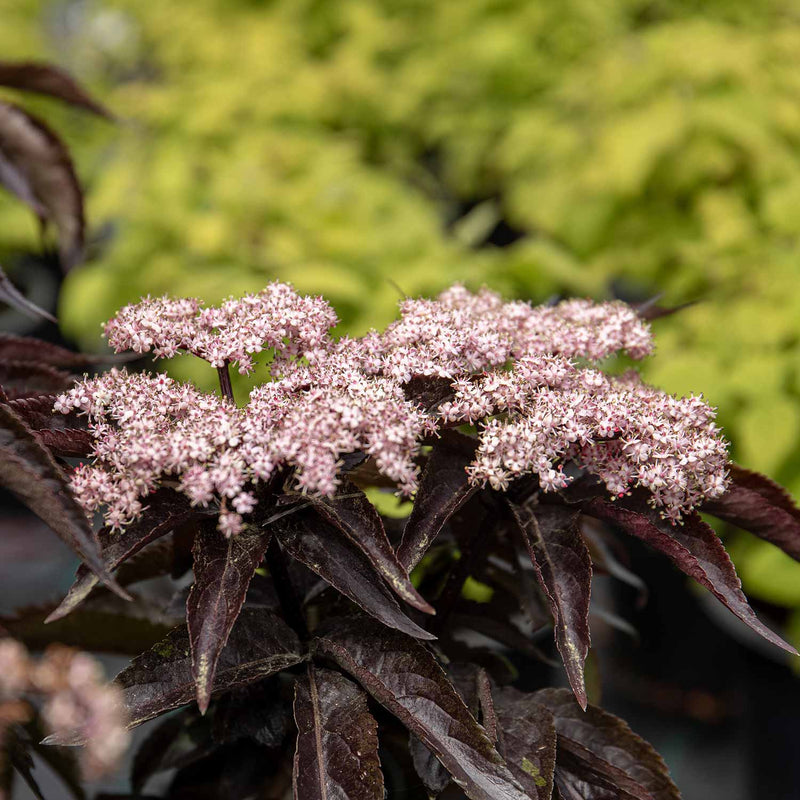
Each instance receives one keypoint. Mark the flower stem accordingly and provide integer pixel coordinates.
(225, 383)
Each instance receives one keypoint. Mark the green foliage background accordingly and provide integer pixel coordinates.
(631, 146)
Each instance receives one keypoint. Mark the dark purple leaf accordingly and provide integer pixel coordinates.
(37, 411)
(610, 742)
(67, 443)
(25, 378)
(164, 511)
(354, 515)
(62, 761)
(337, 740)
(433, 774)
(757, 504)
(693, 547)
(28, 349)
(261, 711)
(313, 542)
(178, 741)
(564, 569)
(8, 292)
(404, 677)
(260, 644)
(444, 488)
(36, 166)
(650, 310)
(223, 568)
(29, 471)
(604, 560)
(488, 715)
(47, 79)
(527, 740)
(111, 626)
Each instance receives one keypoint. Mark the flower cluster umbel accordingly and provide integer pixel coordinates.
(522, 374)
(74, 697)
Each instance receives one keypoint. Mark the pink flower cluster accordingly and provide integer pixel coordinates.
(461, 333)
(521, 374)
(623, 431)
(76, 700)
(276, 317)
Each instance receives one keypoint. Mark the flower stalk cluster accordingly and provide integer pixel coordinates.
(525, 376)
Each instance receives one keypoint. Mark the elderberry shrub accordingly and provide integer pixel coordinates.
(323, 643)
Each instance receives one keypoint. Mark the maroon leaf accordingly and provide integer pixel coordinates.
(564, 570)
(36, 167)
(175, 742)
(693, 547)
(8, 292)
(313, 542)
(67, 443)
(337, 740)
(27, 349)
(354, 515)
(650, 309)
(599, 741)
(29, 471)
(47, 79)
(164, 511)
(223, 569)
(757, 504)
(259, 645)
(111, 626)
(527, 740)
(24, 378)
(37, 411)
(403, 676)
(261, 711)
(444, 488)
(431, 771)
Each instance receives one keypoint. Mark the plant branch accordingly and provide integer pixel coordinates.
(225, 383)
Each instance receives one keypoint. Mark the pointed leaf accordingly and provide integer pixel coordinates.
(757, 504)
(528, 740)
(610, 742)
(178, 741)
(313, 542)
(47, 79)
(164, 511)
(29, 471)
(444, 488)
(20, 378)
(223, 569)
(27, 349)
(261, 711)
(67, 443)
(10, 294)
(354, 515)
(37, 411)
(111, 626)
(35, 159)
(260, 644)
(403, 676)
(564, 569)
(693, 547)
(337, 740)
(61, 760)
(433, 774)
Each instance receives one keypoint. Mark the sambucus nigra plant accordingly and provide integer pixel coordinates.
(306, 640)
